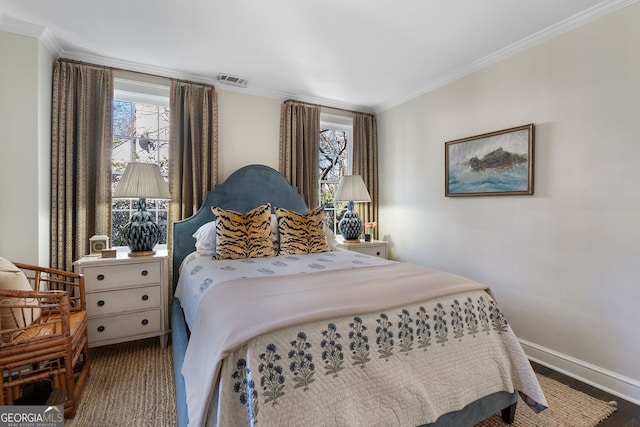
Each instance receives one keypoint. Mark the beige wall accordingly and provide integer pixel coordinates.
(249, 131)
(564, 263)
(25, 85)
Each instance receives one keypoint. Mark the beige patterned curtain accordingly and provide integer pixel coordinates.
(80, 159)
(193, 148)
(299, 137)
(365, 162)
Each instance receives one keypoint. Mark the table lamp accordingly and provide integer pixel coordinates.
(141, 181)
(351, 189)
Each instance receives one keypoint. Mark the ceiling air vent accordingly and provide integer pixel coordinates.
(232, 80)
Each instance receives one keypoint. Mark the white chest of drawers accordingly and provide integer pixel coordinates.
(379, 248)
(126, 297)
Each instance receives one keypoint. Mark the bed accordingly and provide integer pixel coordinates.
(331, 337)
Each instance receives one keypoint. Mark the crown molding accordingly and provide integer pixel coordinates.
(176, 74)
(40, 32)
(50, 42)
(598, 11)
(23, 28)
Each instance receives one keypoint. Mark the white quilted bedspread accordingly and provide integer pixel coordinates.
(388, 345)
(199, 273)
(400, 367)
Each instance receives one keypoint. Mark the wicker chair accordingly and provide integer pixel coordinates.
(47, 339)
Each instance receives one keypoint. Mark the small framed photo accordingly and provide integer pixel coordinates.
(109, 253)
(492, 164)
(97, 244)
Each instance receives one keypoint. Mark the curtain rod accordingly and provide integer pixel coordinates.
(326, 106)
(88, 64)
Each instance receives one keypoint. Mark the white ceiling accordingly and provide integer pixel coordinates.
(357, 54)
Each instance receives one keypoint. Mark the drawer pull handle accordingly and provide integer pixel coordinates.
(145, 273)
(100, 328)
(100, 277)
(100, 303)
(145, 297)
(145, 322)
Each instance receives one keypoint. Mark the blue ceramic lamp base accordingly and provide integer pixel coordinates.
(141, 233)
(350, 225)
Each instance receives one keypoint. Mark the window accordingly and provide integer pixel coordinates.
(140, 133)
(334, 162)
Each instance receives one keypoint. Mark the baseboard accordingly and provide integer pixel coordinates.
(623, 387)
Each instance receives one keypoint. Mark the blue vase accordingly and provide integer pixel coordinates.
(350, 225)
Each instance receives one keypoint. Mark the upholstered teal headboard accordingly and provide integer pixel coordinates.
(245, 189)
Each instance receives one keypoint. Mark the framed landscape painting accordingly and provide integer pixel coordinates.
(492, 164)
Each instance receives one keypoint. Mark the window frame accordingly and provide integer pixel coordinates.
(342, 123)
(154, 93)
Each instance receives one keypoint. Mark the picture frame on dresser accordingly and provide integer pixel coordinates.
(97, 244)
(127, 298)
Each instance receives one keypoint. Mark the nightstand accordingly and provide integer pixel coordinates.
(126, 297)
(378, 248)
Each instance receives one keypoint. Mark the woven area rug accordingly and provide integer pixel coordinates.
(131, 384)
(567, 408)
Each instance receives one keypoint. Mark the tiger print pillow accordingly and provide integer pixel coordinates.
(301, 233)
(243, 235)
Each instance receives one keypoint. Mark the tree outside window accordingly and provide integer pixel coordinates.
(140, 133)
(334, 162)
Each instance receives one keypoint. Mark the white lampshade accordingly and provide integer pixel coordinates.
(142, 181)
(352, 189)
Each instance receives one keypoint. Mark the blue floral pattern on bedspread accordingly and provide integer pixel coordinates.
(342, 360)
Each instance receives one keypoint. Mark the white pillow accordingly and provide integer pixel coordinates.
(206, 239)
(275, 235)
(12, 278)
(330, 236)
